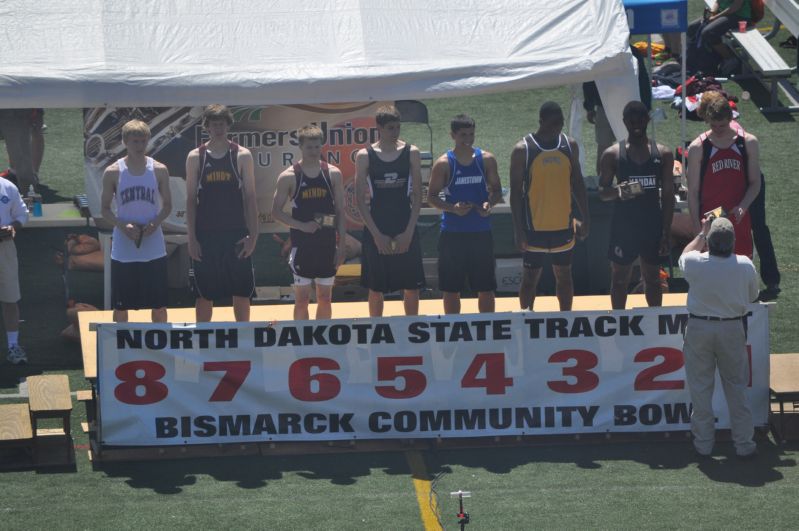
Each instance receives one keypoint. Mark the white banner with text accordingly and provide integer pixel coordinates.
(519, 373)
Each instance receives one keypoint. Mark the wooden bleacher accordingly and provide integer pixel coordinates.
(49, 398)
(784, 391)
(761, 61)
(15, 427)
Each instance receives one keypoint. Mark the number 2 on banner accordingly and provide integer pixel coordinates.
(672, 361)
(235, 374)
(494, 380)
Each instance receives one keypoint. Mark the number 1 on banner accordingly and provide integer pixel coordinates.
(235, 374)
(494, 380)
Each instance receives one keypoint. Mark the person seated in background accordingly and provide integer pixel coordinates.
(317, 223)
(705, 36)
(139, 187)
(469, 179)
(642, 215)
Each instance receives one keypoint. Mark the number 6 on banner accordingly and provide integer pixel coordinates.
(300, 379)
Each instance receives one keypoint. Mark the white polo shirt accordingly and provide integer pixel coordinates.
(719, 287)
(12, 208)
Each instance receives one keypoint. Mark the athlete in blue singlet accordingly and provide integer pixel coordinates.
(468, 180)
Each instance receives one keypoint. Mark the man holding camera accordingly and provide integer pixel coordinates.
(644, 207)
(721, 286)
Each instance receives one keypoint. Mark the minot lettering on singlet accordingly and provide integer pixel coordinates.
(137, 193)
(647, 181)
(313, 193)
(218, 177)
(725, 164)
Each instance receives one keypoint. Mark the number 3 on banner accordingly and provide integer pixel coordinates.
(586, 380)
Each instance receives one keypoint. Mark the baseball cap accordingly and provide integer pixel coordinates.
(721, 237)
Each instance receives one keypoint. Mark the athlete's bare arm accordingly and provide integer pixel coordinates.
(493, 184)
(337, 182)
(692, 178)
(162, 178)
(518, 159)
(247, 172)
(382, 241)
(404, 239)
(439, 176)
(192, 178)
(608, 166)
(752, 176)
(578, 189)
(666, 197)
(110, 180)
(285, 188)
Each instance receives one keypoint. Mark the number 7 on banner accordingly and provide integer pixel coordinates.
(235, 374)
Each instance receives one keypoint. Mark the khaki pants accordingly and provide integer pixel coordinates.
(9, 272)
(718, 344)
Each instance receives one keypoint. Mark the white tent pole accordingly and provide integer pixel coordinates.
(683, 51)
(649, 77)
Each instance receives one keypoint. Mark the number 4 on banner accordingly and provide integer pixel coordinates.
(494, 380)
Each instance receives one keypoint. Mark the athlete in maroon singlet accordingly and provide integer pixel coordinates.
(318, 226)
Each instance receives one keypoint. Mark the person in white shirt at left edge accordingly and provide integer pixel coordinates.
(721, 287)
(13, 215)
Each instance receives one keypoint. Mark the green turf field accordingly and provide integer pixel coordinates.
(648, 484)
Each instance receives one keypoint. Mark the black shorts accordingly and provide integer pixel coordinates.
(536, 260)
(391, 272)
(466, 255)
(546, 241)
(221, 273)
(315, 257)
(629, 240)
(139, 285)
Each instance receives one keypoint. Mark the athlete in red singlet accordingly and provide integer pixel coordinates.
(728, 179)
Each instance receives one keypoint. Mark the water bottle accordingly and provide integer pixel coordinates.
(35, 200)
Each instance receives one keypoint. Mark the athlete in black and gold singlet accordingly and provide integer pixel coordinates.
(222, 218)
(546, 185)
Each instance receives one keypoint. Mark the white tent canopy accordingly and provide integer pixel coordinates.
(87, 53)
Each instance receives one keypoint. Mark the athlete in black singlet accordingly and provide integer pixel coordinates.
(641, 224)
(222, 218)
(388, 188)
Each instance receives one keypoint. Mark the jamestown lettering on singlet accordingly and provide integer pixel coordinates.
(462, 181)
(137, 193)
(725, 164)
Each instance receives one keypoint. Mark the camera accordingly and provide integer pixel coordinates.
(717, 212)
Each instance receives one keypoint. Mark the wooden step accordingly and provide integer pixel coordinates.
(15, 424)
(49, 395)
(85, 395)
